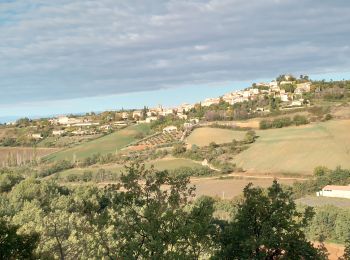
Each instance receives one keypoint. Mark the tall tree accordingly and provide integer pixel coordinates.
(268, 226)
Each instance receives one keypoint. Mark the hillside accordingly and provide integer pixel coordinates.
(204, 136)
(298, 149)
(107, 144)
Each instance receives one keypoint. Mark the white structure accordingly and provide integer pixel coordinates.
(64, 120)
(335, 191)
(284, 97)
(170, 129)
(151, 119)
(58, 132)
(137, 114)
(37, 136)
(210, 101)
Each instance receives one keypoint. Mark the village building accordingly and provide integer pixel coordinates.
(137, 114)
(151, 119)
(170, 129)
(64, 120)
(284, 97)
(37, 136)
(335, 191)
(125, 115)
(303, 88)
(210, 101)
(58, 132)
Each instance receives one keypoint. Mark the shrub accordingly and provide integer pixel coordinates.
(300, 120)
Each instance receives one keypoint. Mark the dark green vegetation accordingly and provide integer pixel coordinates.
(152, 215)
(283, 122)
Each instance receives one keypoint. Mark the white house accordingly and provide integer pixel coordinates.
(151, 119)
(137, 114)
(335, 191)
(210, 101)
(58, 132)
(284, 97)
(170, 129)
(37, 136)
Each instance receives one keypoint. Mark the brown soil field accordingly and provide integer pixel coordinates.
(335, 250)
(23, 154)
(230, 187)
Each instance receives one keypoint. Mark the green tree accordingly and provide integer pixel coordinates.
(268, 226)
(14, 246)
(150, 222)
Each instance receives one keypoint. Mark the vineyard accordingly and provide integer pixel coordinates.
(158, 139)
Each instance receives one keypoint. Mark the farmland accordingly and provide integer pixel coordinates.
(115, 169)
(107, 144)
(298, 149)
(22, 154)
(204, 136)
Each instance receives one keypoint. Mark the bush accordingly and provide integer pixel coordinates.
(178, 149)
(300, 120)
(328, 117)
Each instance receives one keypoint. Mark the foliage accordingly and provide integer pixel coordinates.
(14, 246)
(283, 122)
(267, 226)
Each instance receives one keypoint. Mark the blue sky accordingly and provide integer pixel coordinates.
(63, 56)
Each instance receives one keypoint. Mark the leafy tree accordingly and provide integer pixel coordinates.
(267, 226)
(346, 255)
(149, 222)
(14, 246)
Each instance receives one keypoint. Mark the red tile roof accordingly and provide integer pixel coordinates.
(335, 187)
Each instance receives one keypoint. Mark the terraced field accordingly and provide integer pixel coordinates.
(107, 144)
(298, 149)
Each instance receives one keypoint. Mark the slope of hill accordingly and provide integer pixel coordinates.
(205, 135)
(298, 149)
(107, 144)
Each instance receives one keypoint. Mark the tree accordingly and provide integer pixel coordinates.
(148, 221)
(14, 246)
(346, 255)
(267, 226)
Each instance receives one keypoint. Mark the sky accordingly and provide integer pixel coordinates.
(67, 56)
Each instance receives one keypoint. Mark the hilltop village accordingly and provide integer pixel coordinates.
(284, 93)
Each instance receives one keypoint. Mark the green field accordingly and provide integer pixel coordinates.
(205, 135)
(162, 164)
(298, 149)
(107, 144)
(314, 201)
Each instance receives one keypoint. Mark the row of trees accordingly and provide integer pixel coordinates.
(150, 215)
(283, 122)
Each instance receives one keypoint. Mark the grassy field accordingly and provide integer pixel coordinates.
(314, 201)
(162, 164)
(298, 149)
(22, 154)
(107, 144)
(205, 135)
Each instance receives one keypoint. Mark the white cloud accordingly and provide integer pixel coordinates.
(62, 49)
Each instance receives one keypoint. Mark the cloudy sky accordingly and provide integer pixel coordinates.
(80, 55)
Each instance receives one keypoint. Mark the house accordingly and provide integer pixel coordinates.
(120, 123)
(151, 119)
(188, 125)
(303, 88)
(64, 120)
(284, 97)
(297, 103)
(58, 132)
(286, 82)
(210, 101)
(170, 129)
(106, 127)
(181, 116)
(125, 115)
(37, 136)
(137, 114)
(335, 191)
